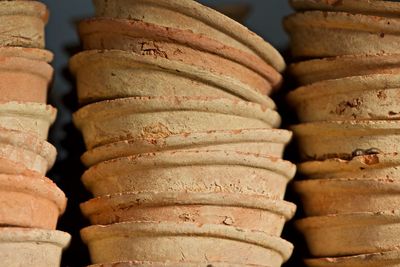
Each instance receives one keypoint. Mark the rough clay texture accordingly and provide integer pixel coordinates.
(170, 264)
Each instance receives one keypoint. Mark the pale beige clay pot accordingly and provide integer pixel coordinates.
(380, 259)
(351, 234)
(27, 150)
(327, 34)
(250, 212)
(148, 117)
(184, 46)
(30, 200)
(345, 139)
(184, 242)
(190, 15)
(372, 97)
(111, 74)
(22, 23)
(269, 142)
(191, 171)
(32, 247)
(170, 264)
(27, 117)
(316, 70)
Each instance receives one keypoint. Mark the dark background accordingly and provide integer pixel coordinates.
(264, 19)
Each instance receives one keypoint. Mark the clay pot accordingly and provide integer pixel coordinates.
(170, 264)
(327, 34)
(184, 46)
(251, 212)
(370, 97)
(191, 171)
(184, 242)
(332, 196)
(27, 150)
(351, 234)
(111, 74)
(22, 23)
(387, 259)
(27, 117)
(148, 117)
(30, 201)
(269, 142)
(26, 53)
(190, 15)
(316, 70)
(345, 139)
(31, 247)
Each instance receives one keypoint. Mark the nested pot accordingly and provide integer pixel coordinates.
(386, 258)
(269, 142)
(184, 46)
(27, 150)
(250, 212)
(351, 233)
(148, 117)
(145, 241)
(30, 200)
(190, 15)
(32, 247)
(27, 117)
(170, 264)
(337, 196)
(328, 34)
(26, 52)
(22, 23)
(317, 70)
(191, 171)
(345, 139)
(111, 74)
(372, 97)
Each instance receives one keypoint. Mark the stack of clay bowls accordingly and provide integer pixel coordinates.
(349, 135)
(30, 203)
(183, 157)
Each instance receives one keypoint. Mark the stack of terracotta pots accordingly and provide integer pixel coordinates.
(183, 159)
(349, 138)
(30, 203)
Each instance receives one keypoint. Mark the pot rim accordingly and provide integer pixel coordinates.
(169, 263)
(25, 8)
(26, 65)
(29, 109)
(26, 52)
(21, 235)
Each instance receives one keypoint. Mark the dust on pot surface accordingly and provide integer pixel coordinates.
(147, 117)
(346, 139)
(110, 74)
(372, 97)
(170, 264)
(191, 171)
(144, 241)
(269, 142)
(32, 247)
(22, 23)
(351, 233)
(151, 40)
(250, 212)
(193, 16)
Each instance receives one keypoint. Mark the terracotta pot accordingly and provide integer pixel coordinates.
(27, 117)
(387, 259)
(269, 142)
(30, 201)
(184, 242)
(170, 264)
(316, 70)
(327, 34)
(345, 139)
(148, 117)
(22, 23)
(351, 234)
(27, 53)
(251, 212)
(31, 247)
(184, 46)
(332, 196)
(370, 97)
(190, 15)
(191, 171)
(26, 149)
(377, 166)
(111, 74)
